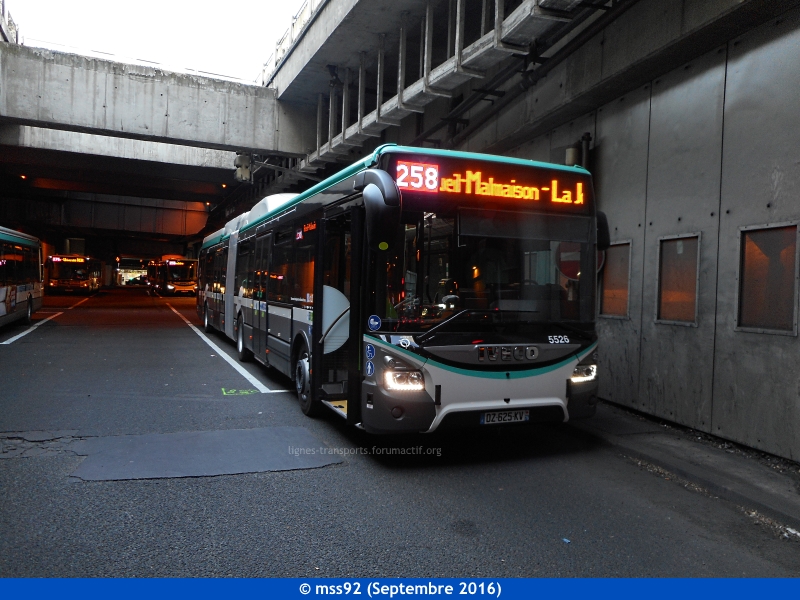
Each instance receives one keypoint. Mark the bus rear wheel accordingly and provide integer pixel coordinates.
(243, 353)
(207, 326)
(302, 384)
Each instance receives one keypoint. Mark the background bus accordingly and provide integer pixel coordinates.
(20, 276)
(174, 276)
(420, 288)
(67, 273)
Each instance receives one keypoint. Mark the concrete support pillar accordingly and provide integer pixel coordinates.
(345, 103)
(319, 122)
(362, 89)
(421, 49)
(381, 69)
(499, 16)
(428, 41)
(459, 27)
(451, 16)
(484, 15)
(427, 61)
(332, 116)
(401, 60)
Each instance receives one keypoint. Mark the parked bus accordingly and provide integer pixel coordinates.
(173, 276)
(68, 273)
(152, 277)
(418, 289)
(20, 276)
(178, 276)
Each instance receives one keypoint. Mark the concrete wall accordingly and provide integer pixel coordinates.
(708, 147)
(50, 89)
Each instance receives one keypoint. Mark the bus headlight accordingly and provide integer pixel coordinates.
(404, 380)
(170, 286)
(584, 373)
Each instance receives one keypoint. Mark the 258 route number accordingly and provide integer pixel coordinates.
(419, 177)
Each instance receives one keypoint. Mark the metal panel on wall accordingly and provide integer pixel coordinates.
(620, 181)
(682, 199)
(756, 375)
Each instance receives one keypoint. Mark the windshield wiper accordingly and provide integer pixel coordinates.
(428, 333)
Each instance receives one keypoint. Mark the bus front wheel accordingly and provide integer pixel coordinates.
(302, 384)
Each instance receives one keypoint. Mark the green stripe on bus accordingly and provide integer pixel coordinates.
(5, 237)
(488, 374)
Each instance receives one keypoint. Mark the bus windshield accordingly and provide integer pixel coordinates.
(184, 272)
(486, 268)
(62, 270)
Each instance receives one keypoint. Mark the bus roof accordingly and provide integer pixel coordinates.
(367, 162)
(17, 237)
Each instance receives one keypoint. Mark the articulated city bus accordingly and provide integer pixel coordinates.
(418, 289)
(173, 276)
(73, 273)
(20, 276)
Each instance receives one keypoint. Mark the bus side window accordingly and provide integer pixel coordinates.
(261, 265)
(208, 271)
(27, 266)
(280, 275)
(3, 265)
(223, 279)
(13, 258)
(303, 284)
(243, 283)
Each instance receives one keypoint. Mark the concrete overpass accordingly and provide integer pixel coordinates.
(92, 147)
(55, 90)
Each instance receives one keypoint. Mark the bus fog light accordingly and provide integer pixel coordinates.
(404, 380)
(584, 373)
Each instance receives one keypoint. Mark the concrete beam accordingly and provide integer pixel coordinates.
(100, 145)
(43, 88)
(108, 212)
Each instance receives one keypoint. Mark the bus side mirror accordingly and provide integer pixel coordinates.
(383, 206)
(603, 233)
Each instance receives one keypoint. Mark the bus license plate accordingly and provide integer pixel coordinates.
(507, 416)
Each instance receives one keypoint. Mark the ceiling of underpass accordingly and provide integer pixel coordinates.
(58, 194)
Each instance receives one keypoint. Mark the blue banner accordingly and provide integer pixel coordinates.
(551, 589)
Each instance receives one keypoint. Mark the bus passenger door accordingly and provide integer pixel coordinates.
(333, 347)
(260, 315)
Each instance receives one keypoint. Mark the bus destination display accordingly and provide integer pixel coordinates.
(481, 180)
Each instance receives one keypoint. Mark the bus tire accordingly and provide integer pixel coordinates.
(29, 313)
(241, 350)
(207, 326)
(302, 384)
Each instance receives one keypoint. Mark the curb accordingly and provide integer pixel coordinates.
(716, 485)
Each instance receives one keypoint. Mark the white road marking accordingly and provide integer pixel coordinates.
(26, 332)
(76, 304)
(242, 371)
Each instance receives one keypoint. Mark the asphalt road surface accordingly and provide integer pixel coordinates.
(548, 501)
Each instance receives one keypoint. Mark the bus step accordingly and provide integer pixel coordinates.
(338, 406)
